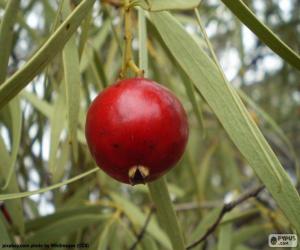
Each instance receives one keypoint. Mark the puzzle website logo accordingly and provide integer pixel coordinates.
(283, 240)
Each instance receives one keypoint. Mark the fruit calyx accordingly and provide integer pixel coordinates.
(138, 175)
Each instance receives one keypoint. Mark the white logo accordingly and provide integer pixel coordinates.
(283, 240)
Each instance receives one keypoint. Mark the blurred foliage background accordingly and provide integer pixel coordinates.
(35, 149)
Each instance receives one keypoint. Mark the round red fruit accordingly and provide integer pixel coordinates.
(136, 130)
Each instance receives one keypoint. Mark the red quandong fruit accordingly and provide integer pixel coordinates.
(136, 130)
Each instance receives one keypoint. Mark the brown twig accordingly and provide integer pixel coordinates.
(227, 208)
(141, 234)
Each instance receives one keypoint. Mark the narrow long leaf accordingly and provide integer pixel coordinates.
(44, 107)
(165, 212)
(263, 32)
(268, 119)
(14, 206)
(72, 83)
(43, 190)
(158, 5)
(137, 217)
(143, 53)
(57, 125)
(231, 112)
(58, 229)
(45, 54)
(6, 35)
(225, 237)
(4, 235)
(16, 116)
(35, 224)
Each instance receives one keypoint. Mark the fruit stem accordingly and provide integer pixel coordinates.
(128, 59)
(135, 68)
(166, 213)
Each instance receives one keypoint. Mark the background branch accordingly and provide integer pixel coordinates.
(227, 208)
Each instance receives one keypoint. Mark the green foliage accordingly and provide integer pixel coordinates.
(55, 56)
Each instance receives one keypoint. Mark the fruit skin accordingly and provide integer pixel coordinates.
(136, 122)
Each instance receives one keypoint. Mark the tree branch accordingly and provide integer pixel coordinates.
(227, 208)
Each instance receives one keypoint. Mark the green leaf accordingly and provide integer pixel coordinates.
(148, 243)
(231, 112)
(263, 32)
(16, 121)
(14, 206)
(138, 218)
(268, 119)
(225, 237)
(4, 235)
(72, 83)
(242, 247)
(35, 224)
(166, 213)
(85, 33)
(81, 195)
(44, 107)
(236, 215)
(143, 53)
(192, 97)
(96, 43)
(229, 166)
(207, 221)
(204, 172)
(43, 190)
(158, 5)
(12, 86)
(129, 237)
(61, 228)
(57, 125)
(249, 232)
(62, 162)
(6, 35)
(106, 234)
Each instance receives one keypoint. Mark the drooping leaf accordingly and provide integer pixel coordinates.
(16, 121)
(12, 86)
(205, 224)
(43, 190)
(4, 235)
(240, 9)
(138, 218)
(143, 53)
(55, 231)
(72, 83)
(6, 35)
(231, 112)
(165, 212)
(44, 107)
(58, 122)
(14, 207)
(106, 234)
(249, 232)
(41, 222)
(158, 5)
(225, 237)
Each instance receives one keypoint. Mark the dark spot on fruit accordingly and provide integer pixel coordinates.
(102, 132)
(116, 145)
(151, 146)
